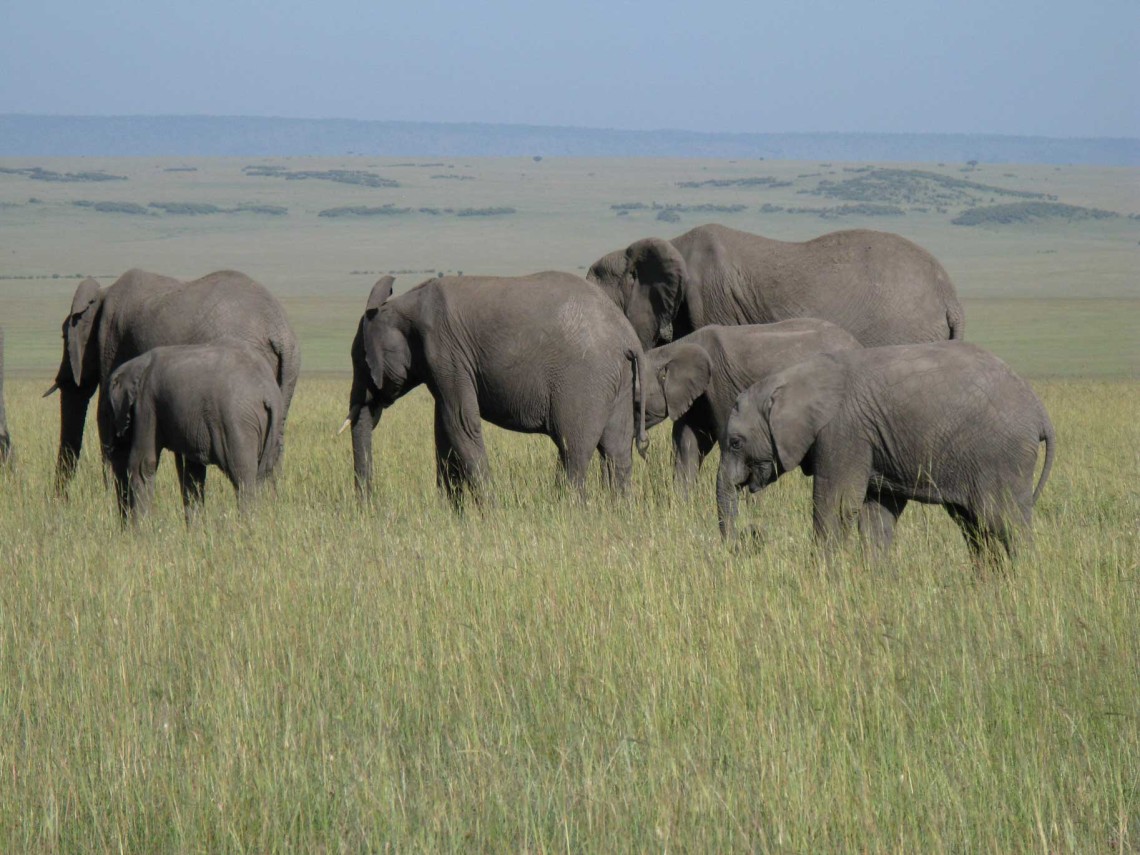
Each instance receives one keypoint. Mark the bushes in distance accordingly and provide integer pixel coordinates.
(1029, 212)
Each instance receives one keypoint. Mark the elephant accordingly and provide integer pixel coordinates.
(546, 353)
(878, 286)
(5, 437)
(695, 380)
(942, 423)
(216, 403)
(109, 326)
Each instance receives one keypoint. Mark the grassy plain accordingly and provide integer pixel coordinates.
(539, 674)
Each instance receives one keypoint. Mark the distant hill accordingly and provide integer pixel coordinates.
(245, 136)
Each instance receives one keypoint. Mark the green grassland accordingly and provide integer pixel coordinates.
(539, 673)
(323, 267)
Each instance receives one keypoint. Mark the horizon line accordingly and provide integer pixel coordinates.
(592, 128)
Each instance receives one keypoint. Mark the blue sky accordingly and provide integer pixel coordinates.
(973, 66)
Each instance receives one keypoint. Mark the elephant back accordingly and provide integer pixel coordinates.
(142, 311)
(879, 286)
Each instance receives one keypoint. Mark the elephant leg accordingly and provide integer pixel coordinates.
(448, 467)
(105, 423)
(691, 445)
(120, 470)
(982, 536)
(877, 518)
(241, 469)
(574, 460)
(192, 482)
(616, 451)
(839, 487)
(141, 468)
(459, 423)
(1006, 527)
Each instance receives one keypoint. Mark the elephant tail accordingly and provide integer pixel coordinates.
(1050, 439)
(278, 349)
(271, 442)
(635, 356)
(956, 320)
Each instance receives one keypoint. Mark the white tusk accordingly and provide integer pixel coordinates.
(344, 426)
(54, 388)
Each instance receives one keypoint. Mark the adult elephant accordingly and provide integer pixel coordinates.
(545, 353)
(109, 326)
(879, 286)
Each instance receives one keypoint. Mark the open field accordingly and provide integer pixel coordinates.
(1080, 275)
(540, 674)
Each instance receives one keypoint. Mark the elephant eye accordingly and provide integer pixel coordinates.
(735, 443)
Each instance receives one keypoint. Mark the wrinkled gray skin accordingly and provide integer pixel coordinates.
(211, 404)
(546, 353)
(946, 423)
(696, 380)
(108, 326)
(878, 286)
(5, 438)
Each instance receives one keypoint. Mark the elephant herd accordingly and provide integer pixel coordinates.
(839, 356)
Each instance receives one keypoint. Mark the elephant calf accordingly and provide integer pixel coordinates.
(215, 403)
(696, 379)
(945, 423)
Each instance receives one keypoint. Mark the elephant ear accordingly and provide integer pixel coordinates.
(684, 378)
(80, 323)
(380, 293)
(805, 398)
(371, 329)
(123, 393)
(659, 268)
(608, 270)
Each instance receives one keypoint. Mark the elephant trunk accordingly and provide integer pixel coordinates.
(364, 416)
(362, 450)
(73, 403)
(638, 360)
(727, 499)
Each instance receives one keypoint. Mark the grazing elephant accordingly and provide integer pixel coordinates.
(945, 423)
(5, 437)
(546, 353)
(696, 379)
(215, 403)
(878, 286)
(108, 326)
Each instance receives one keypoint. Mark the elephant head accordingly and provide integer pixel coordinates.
(647, 281)
(772, 429)
(676, 375)
(79, 373)
(383, 370)
(123, 392)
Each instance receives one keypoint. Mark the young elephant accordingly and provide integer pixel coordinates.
(696, 379)
(945, 423)
(546, 353)
(216, 403)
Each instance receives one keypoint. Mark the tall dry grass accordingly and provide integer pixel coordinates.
(543, 675)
